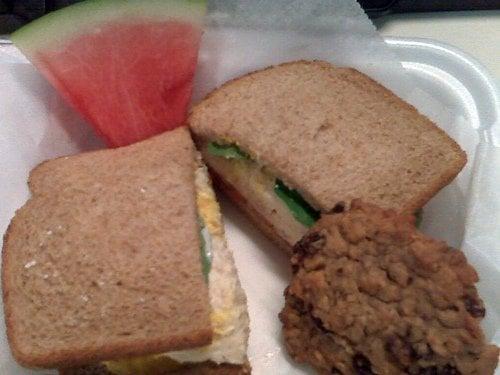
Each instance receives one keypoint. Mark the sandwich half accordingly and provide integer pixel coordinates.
(118, 264)
(296, 140)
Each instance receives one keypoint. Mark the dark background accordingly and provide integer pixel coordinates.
(15, 13)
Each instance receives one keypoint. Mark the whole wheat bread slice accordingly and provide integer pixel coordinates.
(332, 133)
(103, 261)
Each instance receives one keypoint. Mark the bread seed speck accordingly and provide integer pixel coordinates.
(49, 233)
(84, 298)
(30, 264)
(143, 190)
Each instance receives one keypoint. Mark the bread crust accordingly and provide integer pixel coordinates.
(205, 368)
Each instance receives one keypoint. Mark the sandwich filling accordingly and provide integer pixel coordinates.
(285, 207)
(246, 174)
(229, 316)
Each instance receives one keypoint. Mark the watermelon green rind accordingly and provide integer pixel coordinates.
(52, 30)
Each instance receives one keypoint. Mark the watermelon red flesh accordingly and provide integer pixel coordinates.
(130, 81)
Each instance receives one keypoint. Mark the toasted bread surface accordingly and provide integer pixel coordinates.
(332, 133)
(103, 261)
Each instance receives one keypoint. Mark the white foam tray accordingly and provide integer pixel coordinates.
(457, 80)
(454, 77)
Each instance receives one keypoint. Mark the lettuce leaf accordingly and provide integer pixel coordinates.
(302, 211)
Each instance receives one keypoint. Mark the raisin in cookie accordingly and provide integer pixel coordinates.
(372, 295)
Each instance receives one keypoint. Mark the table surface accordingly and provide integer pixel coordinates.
(475, 32)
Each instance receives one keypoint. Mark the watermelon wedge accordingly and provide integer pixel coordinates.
(126, 65)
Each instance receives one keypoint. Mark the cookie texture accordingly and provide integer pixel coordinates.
(372, 295)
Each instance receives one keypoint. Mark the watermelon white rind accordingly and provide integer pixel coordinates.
(53, 29)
